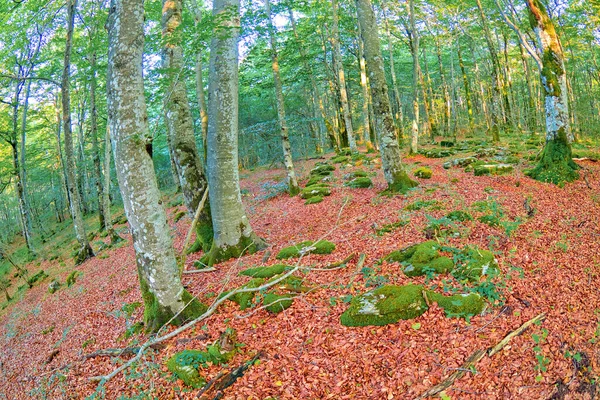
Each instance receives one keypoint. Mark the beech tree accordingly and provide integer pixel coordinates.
(233, 234)
(165, 299)
(393, 170)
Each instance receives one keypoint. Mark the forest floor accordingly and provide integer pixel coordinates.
(546, 242)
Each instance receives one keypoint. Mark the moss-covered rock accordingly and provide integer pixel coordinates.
(322, 170)
(477, 263)
(72, 278)
(356, 174)
(314, 200)
(459, 215)
(437, 153)
(340, 159)
(460, 162)
(492, 169)
(459, 305)
(277, 303)
(423, 173)
(264, 272)
(361, 182)
(385, 305)
(244, 300)
(421, 258)
(320, 247)
(54, 286)
(315, 190)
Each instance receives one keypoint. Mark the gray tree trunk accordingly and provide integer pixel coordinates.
(105, 195)
(393, 170)
(165, 299)
(85, 250)
(180, 125)
(94, 139)
(233, 234)
(339, 67)
(293, 187)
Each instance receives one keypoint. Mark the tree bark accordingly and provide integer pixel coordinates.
(393, 170)
(85, 250)
(165, 299)
(293, 187)
(94, 140)
(556, 164)
(180, 125)
(233, 234)
(365, 89)
(339, 67)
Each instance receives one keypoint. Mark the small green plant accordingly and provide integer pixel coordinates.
(542, 360)
(420, 204)
(372, 279)
(439, 227)
(387, 228)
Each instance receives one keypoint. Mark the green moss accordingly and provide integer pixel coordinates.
(477, 263)
(459, 215)
(492, 169)
(204, 236)
(320, 247)
(490, 220)
(391, 227)
(264, 272)
(401, 183)
(556, 164)
(178, 216)
(423, 172)
(419, 259)
(317, 180)
(185, 364)
(246, 245)
(54, 286)
(40, 276)
(458, 305)
(386, 305)
(72, 278)
(420, 204)
(357, 174)
(314, 200)
(244, 300)
(322, 170)
(279, 306)
(315, 190)
(340, 159)
(361, 182)
(437, 153)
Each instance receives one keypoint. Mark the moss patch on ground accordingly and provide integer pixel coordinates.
(423, 173)
(385, 305)
(419, 259)
(360, 182)
(459, 305)
(264, 272)
(320, 247)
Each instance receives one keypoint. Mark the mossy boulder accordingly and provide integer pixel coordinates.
(385, 305)
(421, 258)
(492, 169)
(459, 215)
(72, 278)
(315, 190)
(437, 153)
(423, 173)
(320, 247)
(463, 305)
(54, 286)
(360, 182)
(314, 200)
(477, 263)
(340, 159)
(318, 180)
(357, 174)
(460, 162)
(280, 302)
(322, 170)
(264, 272)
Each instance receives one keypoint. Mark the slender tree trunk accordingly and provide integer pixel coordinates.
(446, 95)
(496, 109)
(61, 160)
(414, 48)
(556, 164)
(233, 235)
(365, 89)
(94, 140)
(180, 125)
(165, 299)
(293, 187)
(397, 99)
(200, 96)
(105, 196)
(463, 70)
(393, 170)
(85, 250)
(23, 164)
(335, 37)
(531, 110)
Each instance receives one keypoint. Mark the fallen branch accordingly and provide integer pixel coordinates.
(336, 265)
(120, 352)
(474, 358)
(223, 380)
(197, 271)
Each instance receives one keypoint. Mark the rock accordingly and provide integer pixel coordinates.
(492, 169)
(309, 247)
(54, 286)
(385, 305)
(459, 162)
(358, 183)
(315, 190)
(423, 172)
(314, 200)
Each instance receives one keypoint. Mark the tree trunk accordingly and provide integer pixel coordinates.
(365, 89)
(397, 99)
(165, 299)
(556, 164)
(23, 165)
(335, 37)
(233, 235)
(293, 187)
(180, 125)
(414, 48)
(465, 78)
(393, 170)
(446, 95)
(85, 250)
(94, 140)
(105, 196)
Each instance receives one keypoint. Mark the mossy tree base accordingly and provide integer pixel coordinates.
(401, 184)
(84, 253)
(246, 245)
(556, 164)
(204, 237)
(156, 316)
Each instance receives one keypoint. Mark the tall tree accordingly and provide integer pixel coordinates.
(233, 234)
(339, 69)
(165, 299)
(293, 187)
(180, 126)
(85, 250)
(393, 170)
